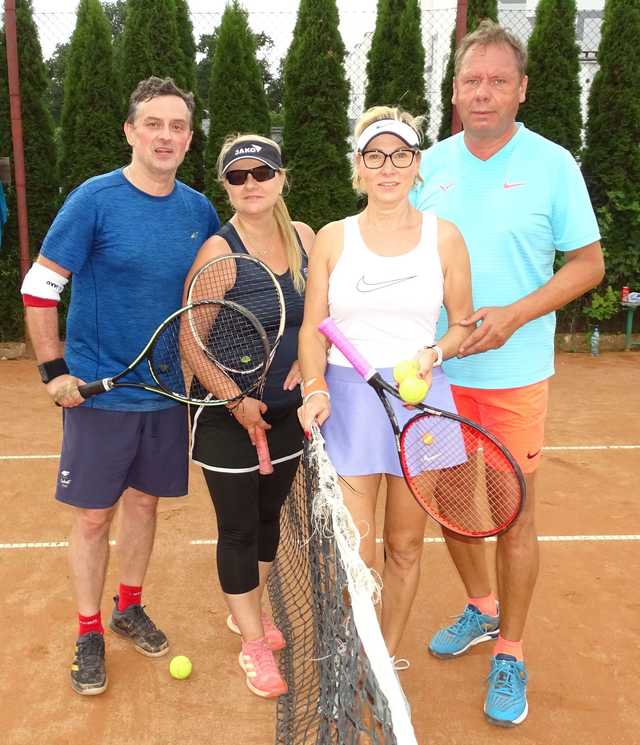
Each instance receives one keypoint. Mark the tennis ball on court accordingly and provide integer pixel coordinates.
(413, 389)
(180, 667)
(404, 369)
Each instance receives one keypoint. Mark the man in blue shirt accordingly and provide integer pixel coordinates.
(129, 238)
(517, 198)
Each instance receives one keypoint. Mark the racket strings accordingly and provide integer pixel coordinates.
(460, 476)
(245, 280)
(211, 352)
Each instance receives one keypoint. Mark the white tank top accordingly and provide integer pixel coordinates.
(387, 306)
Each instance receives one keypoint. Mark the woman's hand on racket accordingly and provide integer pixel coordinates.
(315, 411)
(249, 413)
(64, 391)
(294, 377)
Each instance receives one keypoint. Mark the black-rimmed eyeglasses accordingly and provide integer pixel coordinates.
(402, 158)
(259, 173)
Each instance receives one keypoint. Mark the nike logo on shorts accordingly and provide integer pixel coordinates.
(363, 286)
(530, 456)
(513, 184)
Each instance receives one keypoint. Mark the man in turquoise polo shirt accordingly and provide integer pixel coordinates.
(517, 198)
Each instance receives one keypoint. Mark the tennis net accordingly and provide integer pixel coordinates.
(342, 686)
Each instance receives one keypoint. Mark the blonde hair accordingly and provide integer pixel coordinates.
(376, 114)
(489, 33)
(280, 211)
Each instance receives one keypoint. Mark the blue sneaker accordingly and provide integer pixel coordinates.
(506, 702)
(470, 628)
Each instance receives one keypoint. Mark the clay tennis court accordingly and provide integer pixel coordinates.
(583, 642)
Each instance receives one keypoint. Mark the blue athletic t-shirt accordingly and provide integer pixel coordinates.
(514, 210)
(129, 253)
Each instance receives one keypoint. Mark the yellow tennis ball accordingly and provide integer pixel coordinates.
(412, 389)
(427, 439)
(404, 369)
(180, 667)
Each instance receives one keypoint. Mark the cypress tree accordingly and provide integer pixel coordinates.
(552, 107)
(91, 137)
(40, 162)
(237, 101)
(477, 10)
(410, 90)
(192, 170)
(383, 53)
(158, 40)
(150, 44)
(316, 127)
(396, 60)
(611, 160)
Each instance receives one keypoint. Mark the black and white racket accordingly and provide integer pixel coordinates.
(243, 279)
(459, 473)
(208, 353)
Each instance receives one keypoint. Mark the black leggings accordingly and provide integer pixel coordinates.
(247, 509)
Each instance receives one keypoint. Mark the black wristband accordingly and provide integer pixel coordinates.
(52, 369)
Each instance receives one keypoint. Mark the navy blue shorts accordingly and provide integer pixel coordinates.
(104, 452)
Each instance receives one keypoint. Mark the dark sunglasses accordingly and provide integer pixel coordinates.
(259, 173)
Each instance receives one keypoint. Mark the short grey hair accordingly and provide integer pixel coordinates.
(489, 33)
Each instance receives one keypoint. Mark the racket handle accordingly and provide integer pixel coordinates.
(332, 332)
(264, 457)
(93, 389)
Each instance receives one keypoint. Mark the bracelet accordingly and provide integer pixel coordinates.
(314, 384)
(316, 393)
(438, 350)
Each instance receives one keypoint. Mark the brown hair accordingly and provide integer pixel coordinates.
(154, 87)
(280, 211)
(489, 33)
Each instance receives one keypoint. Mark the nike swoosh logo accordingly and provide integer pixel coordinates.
(446, 187)
(364, 286)
(530, 456)
(513, 184)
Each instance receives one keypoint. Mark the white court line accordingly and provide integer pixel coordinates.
(29, 457)
(436, 539)
(547, 448)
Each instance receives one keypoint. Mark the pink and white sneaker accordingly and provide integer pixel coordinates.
(272, 633)
(259, 664)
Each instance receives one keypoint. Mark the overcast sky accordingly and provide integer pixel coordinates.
(274, 17)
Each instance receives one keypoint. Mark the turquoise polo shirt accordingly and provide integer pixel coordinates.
(515, 210)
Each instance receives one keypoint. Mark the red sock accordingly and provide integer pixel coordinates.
(128, 595)
(504, 646)
(90, 623)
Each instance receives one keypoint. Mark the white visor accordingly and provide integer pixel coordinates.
(388, 126)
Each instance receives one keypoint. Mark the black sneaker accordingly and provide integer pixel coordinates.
(134, 624)
(88, 674)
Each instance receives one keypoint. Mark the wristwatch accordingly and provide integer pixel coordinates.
(52, 369)
(438, 351)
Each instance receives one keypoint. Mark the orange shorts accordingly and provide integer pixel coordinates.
(515, 416)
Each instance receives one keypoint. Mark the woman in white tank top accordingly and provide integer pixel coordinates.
(383, 276)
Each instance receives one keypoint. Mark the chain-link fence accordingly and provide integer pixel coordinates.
(357, 26)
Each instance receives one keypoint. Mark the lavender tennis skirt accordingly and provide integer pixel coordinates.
(358, 434)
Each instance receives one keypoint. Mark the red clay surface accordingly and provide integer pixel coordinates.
(582, 645)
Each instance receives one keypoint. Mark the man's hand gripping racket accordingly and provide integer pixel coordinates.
(459, 473)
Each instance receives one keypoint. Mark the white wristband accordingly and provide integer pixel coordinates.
(316, 393)
(42, 282)
(438, 351)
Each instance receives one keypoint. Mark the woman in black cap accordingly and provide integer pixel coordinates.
(248, 504)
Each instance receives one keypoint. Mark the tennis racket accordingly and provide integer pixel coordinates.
(243, 279)
(208, 353)
(459, 473)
